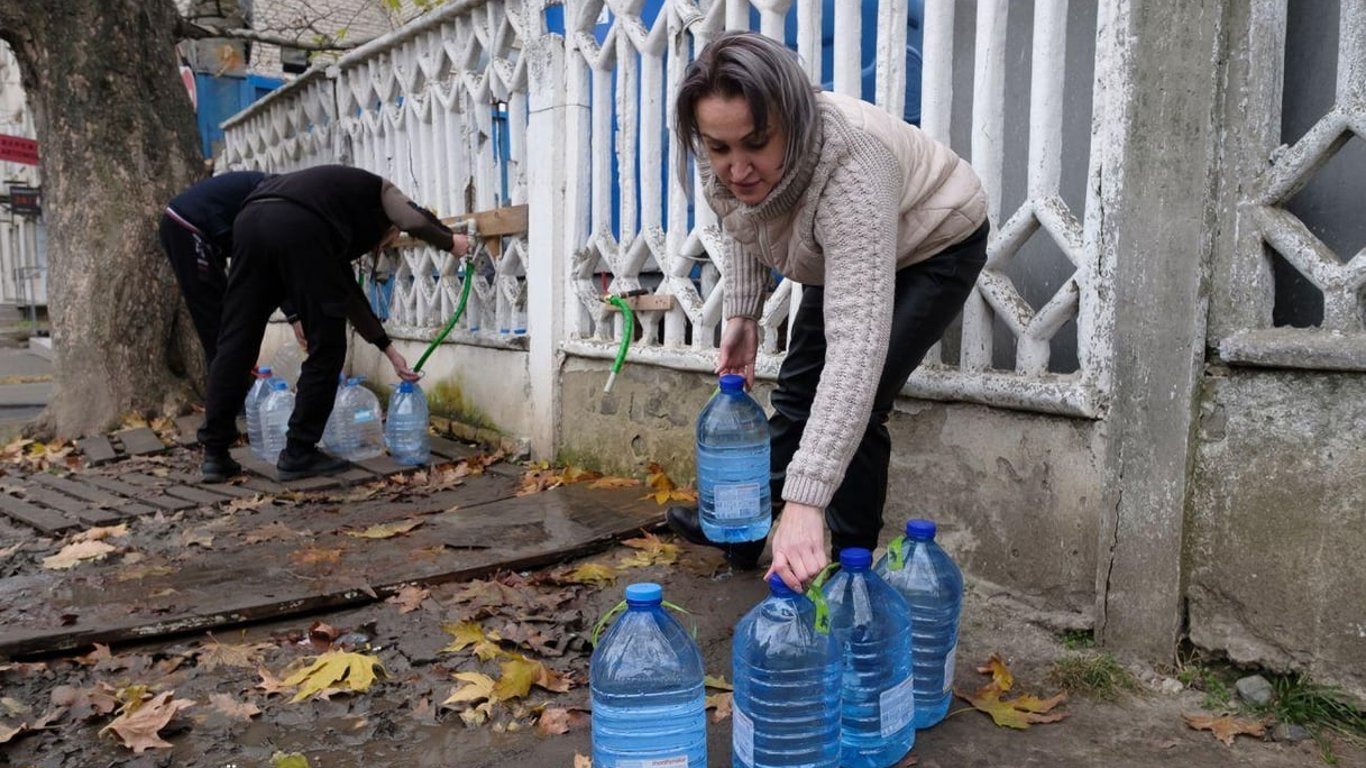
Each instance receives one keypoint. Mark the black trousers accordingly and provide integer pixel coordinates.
(280, 252)
(202, 274)
(928, 296)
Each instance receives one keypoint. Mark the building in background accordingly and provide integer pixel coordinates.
(23, 240)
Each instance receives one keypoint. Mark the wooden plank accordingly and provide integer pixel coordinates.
(223, 489)
(120, 504)
(49, 521)
(168, 503)
(97, 450)
(187, 428)
(141, 441)
(384, 466)
(81, 510)
(450, 449)
(648, 303)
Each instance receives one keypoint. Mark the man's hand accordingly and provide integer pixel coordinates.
(400, 364)
(299, 335)
(799, 545)
(460, 245)
(739, 348)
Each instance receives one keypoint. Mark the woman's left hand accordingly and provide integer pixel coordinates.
(799, 545)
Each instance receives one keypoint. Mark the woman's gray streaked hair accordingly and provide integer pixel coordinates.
(763, 71)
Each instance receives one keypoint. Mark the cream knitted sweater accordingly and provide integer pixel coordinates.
(872, 195)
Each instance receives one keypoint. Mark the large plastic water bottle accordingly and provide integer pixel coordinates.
(332, 429)
(923, 573)
(361, 423)
(288, 360)
(252, 405)
(873, 625)
(733, 465)
(645, 679)
(787, 676)
(405, 428)
(275, 413)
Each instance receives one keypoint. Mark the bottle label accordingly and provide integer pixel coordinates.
(736, 501)
(677, 761)
(742, 736)
(897, 706)
(364, 416)
(950, 661)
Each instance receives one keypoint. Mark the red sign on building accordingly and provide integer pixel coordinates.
(17, 149)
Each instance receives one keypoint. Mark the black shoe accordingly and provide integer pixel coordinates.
(218, 467)
(742, 555)
(312, 464)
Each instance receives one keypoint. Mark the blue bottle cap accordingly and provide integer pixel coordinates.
(779, 588)
(732, 382)
(263, 371)
(644, 593)
(920, 530)
(279, 384)
(855, 559)
(405, 387)
(353, 381)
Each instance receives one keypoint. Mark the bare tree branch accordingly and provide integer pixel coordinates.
(190, 30)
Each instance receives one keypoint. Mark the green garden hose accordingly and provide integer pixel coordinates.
(455, 318)
(628, 333)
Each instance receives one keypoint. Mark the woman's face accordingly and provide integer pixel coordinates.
(749, 164)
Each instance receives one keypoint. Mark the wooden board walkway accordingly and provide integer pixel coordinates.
(468, 531)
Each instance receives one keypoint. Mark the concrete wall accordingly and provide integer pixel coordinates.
(1277, 524)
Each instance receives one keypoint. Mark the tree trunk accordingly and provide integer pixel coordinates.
(117, 139)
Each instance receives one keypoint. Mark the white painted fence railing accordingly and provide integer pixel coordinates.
(418, 106)
(1276, 173)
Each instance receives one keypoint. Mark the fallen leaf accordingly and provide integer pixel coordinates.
(385, 531)
(600, 574)
(215, 654)
(478, 714)
(77, 552)
(478, 687)
(143, 571)
(718, 682)
(288, 760)
(196, 538)
(137, 726)
(322, 634)
(663, 489)
(518, 675)
(255, 502)
(558, 720)
(237, 710)
(721, 702)
(84, 702)
(99, 534)
(1000, 674)
(270, 684)
(410, 598)
(7, 733)
(1019, 712)
(650, 550)
(100, 653)
(356, 671)
(14, 707)
(7, 551)
(614, 482)
(272, 532)
(469, 634)
(1225, 728)
(582, 762)
(316, 556)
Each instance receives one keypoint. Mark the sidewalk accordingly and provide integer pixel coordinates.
(25, 385)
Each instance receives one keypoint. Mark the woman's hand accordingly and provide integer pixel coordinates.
(799, 545)
(299, 335)
(460, 245)
(739, 348)
(400, 364)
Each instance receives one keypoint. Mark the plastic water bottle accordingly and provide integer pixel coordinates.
(405, 429)
(361, 423)
(787, 676)
(332, 430)
(275, 413)
(288, 360)
(252, 405)
(733, 465)
(923, 573)
(873, 625)
(646, 687)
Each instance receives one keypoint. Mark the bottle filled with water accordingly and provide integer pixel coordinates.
(288, 360)
(924, 574)
(260, 388)
(405, 427)
(646, 687)
(332, 430)
(733, 465)
(873, 625)
(275, 412)
(361, 425)
(787, 671)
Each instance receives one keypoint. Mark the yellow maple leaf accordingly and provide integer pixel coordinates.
(1225, 728)
(1019, 712)
(592, 573)
(721, 703)
(650, 550)
(478, 687)
(469, 634)
(1000, 674)
(614, 482)
(518, 676)
(335, 669)
(386, 530)
(77, 552)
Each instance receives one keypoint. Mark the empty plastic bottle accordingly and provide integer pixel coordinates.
(332, 430)
(873, 625)
(360, 424)
(923, 573)
(288, 360)
(252, 405)
(275, 412)
(646, 686)
(405, 427)
(787, 676)
(733, 465)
